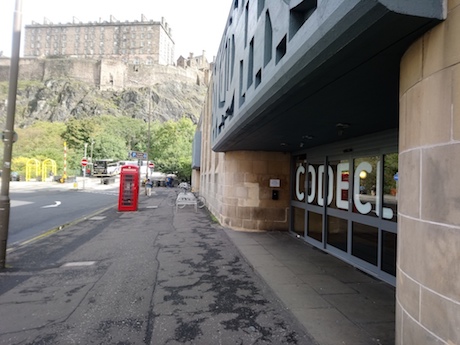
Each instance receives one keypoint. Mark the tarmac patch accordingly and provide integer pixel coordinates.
(79, 263)
(15, 203)
(97, 218)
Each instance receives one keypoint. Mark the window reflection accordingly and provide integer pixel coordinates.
(389, 241)
(366, 186)
(315, 182)
(341, 184)
(390, 187)
(315, 226)
(337, 232)
(298, 221)
(365, 242)
(300, 177)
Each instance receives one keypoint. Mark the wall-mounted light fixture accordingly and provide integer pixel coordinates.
(341, 127)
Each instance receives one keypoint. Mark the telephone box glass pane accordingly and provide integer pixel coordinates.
(128, 190)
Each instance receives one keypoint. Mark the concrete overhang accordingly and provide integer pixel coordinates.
(343, 85)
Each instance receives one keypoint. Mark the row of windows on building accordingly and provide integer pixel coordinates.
(91, 51)
(129, 47)
(50, 30)
(63, 37)
(248, 76)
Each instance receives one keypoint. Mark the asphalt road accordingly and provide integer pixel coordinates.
(35, 211)
(154, 276)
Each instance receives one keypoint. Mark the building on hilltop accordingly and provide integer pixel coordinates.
(199, 61)
(144, 42)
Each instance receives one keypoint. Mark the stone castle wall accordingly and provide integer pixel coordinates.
(105, 74)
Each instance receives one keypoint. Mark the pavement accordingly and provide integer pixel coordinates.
(161, 276)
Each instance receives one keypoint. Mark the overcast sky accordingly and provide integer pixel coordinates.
(196, 25)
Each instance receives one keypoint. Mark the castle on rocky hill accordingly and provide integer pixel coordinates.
(108, 54)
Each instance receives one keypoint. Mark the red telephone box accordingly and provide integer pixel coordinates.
(128, 196)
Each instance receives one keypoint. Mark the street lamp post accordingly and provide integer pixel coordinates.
(8, 133)
(84, 167)
(92, 144)
(148, 140)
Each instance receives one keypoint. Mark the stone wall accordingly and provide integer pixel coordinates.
(87, 71)
(428, 270)
(236, 184)
(105, 73)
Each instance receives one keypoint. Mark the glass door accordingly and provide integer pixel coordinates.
(298, 196)
(347, 206)
(316, 198)
(338, 209)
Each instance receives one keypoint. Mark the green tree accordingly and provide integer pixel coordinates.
(171, 147)
(112, 136)
(78, 132)
(41, 141)
(108, 146)
(115, 136)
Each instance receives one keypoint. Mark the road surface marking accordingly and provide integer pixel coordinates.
(15, 203)
(57, 203)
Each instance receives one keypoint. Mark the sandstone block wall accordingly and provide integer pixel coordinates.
(236, 184)
(428, 269)
(238, 189)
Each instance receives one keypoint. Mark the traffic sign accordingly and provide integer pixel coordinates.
(84, 162)
(151, 165)
(138, 155)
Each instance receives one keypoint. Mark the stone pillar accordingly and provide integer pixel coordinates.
(246, 198)
(428, 266)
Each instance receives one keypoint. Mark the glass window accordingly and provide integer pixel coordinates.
(365, 242)
(298, 221)
(315, 226)
(365, 186)
(390, 187)
(389, 242)
(299, 193)
(315, 182)
(340, 184)
(337, 232)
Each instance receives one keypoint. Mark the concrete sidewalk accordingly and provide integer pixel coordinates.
(335, 302)
(157, 276)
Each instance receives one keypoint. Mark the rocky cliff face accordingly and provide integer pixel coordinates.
(63, 98)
